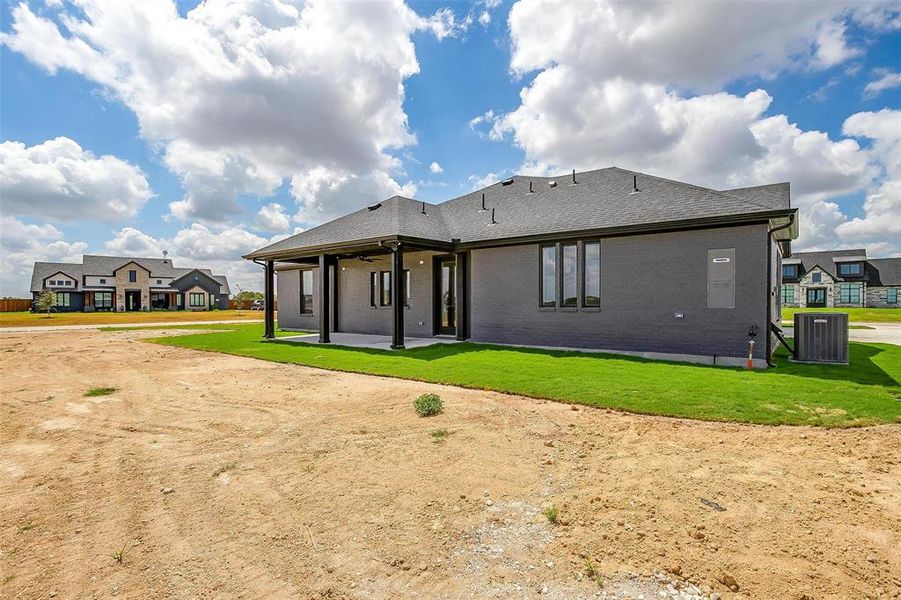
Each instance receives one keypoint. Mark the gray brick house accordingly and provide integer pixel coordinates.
(120, 283)
(840, 279)
(606, 259)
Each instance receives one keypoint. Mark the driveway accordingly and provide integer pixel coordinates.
(57, 328)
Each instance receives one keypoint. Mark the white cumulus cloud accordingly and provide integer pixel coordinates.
(22, 244)
(436, 168)
(58, 180)
(243, 94)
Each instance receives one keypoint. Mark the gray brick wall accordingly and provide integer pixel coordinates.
(645, 280)
(288, 296)
(355, 315)
(876, 297)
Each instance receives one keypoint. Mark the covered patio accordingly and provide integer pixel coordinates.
(363, 340)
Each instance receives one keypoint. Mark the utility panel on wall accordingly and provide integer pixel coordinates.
(721, 278)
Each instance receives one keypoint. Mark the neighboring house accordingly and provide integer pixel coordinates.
(840, 278)
(606, 259)
(117, 283)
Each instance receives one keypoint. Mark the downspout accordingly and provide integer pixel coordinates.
(769, 291)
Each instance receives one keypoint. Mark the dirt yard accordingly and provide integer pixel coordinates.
(207, 475)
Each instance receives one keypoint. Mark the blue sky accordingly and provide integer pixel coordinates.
(125, 134)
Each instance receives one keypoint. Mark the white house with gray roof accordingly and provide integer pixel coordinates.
(840, 279)
(121, 283)
(606, 259)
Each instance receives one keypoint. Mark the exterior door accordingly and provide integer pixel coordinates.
(816, 297)
(446, 301)
(132, 300)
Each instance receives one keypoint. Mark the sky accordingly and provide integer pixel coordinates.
(210, 129)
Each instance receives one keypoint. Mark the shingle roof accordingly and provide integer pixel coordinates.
(888, 271)
(93, 264)
(810, 260)
(601, 199)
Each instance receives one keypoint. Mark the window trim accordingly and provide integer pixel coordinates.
(563, 297)
(848, 265)
(556, 283)
(66, 295)
(794, 269)
(374, 289)
(845, 289)
(383, 277)
(132, 276)
(191, 296)
(303, 304)
(788, 287)
(407, 281)
(889, 291)
(816, 277)
(584, 277)
(105, 295)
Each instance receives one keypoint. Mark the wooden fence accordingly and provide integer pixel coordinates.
(14, 304)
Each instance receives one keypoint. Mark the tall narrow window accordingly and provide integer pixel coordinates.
(386, 288)
(132, 276)
(549, 276)
(570, 276)
(406, 287)
(373, 289)
(591, 273)
(788, 294)
(891, 296)
(306, 292)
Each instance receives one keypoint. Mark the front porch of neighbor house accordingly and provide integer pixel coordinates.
(395, 290)
(367, 341)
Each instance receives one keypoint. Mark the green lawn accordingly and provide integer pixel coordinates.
(865, 393)
(855, 315)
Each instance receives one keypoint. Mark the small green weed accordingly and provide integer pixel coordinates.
(100, 391)
(551, 514)
(428, 405)
(439, 435)
(27, 527)
(226, 467)
(119, 555)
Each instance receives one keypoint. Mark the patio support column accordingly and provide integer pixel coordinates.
(397, 297)
(269, 293)
(462, 324)
(324, 301)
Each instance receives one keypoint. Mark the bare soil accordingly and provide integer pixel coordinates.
(219, 476)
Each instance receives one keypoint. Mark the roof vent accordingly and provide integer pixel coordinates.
(374, 207)
(507, 181)
(165, 255)
(635, 189)
(483, 209)
(531, 191)
(423, 208)
(493, 222)
(552, 183)
(574, 178)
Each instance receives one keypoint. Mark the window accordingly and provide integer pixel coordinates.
(591, 274)
(67, 283)
(570, 275)
(62, 299)
(159, 300)
(159, 281)
(373, 289)
(51, 282)
(891, 296)
(406, 287)
(196, 299)
(386, 288)
(132, 276)
(102, 281)
(849, 293)
(788, 294)
(816, 277)
(103, 299)
(789, 271)
(548, 276)
(849, 269)
(306, 292)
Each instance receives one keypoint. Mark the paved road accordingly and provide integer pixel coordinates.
(40, 329)
(884, 333)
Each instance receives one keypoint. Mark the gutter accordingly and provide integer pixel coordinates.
(769, 294)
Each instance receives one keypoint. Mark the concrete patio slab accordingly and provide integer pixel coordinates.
(362, 340)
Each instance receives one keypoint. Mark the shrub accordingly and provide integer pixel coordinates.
(551, 514)
(428, 405)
